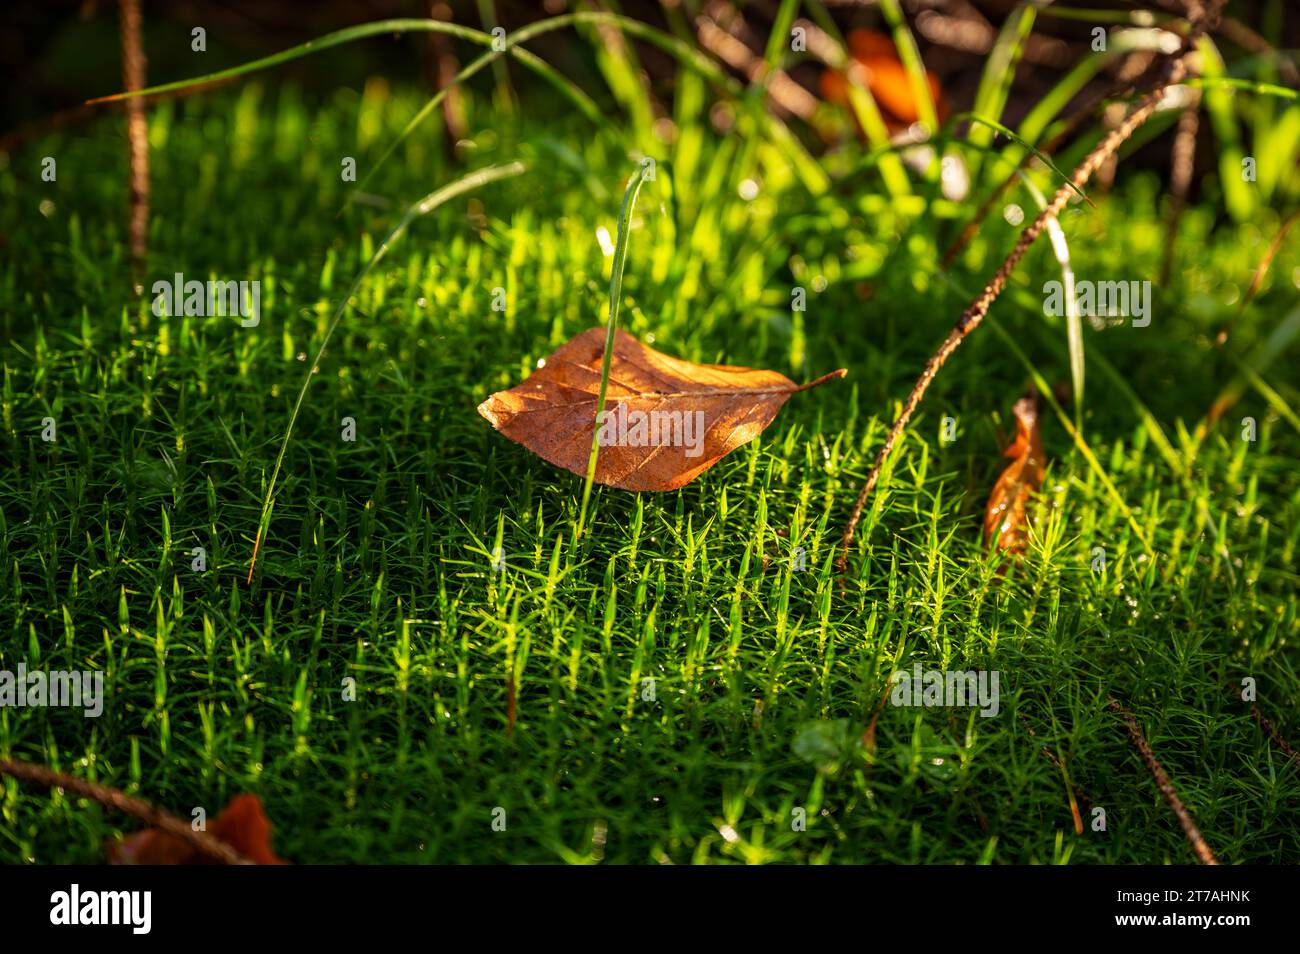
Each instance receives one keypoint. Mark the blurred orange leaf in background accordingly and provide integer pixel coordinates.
(876, 61)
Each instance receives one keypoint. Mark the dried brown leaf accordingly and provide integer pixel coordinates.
(666, 421)
(242, 824)
(1006, 517)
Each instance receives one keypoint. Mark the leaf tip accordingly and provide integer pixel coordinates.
(834, 375)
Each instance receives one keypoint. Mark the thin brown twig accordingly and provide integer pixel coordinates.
(1234, 30)
(1111, 117)
(1272, 732)
(511, 704)
(444, 67)
(137, 127)
(1182, 163)
(1080, 797)
(1257, 279)
(869, 734)
(1194, 837)
(1265, 723)
(974, 314)
(151, 815)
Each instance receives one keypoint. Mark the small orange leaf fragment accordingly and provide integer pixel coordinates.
(1005, 518)
(242, 824)
(875, 59)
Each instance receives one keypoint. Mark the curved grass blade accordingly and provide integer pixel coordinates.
(1238, 196)
(615, 292)
(565, 86)
(1000, 68)
(867, 162)
(580, 99)
(1269, 393)
(337, 38)
(1258, 361)
(1141, 18)
(1038, 154)
(812, 174)
(1073, 320)
(466, 183)
(1049, 107)
(1251, 86)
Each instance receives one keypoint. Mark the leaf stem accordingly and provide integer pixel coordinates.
(833, 375)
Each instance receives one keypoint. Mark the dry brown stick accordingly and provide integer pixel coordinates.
(868, 740)
(137, 128)
(1080, 796)
(1265, 723)
(511, 703)
(1272, 732)
(1163, 783)
(151, 815)
(444, 68)
(974, 314)
(1182, 162)
(1261, 270)
(1246, 38)
(1111, 117)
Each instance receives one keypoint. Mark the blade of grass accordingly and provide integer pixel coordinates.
(487, 15)
(1123, 388)
(1264, 355)
(911, 58)
(337, 38)
(1056, 99)
(1073, 320)
(1275, 400)
(867, 113)
(1000, 69)
(466, 183)
(615, 292)
(864, 107)
(539, 66)
(1038, 154)
(1238, 196)
(618, 63)
(1252, 86)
